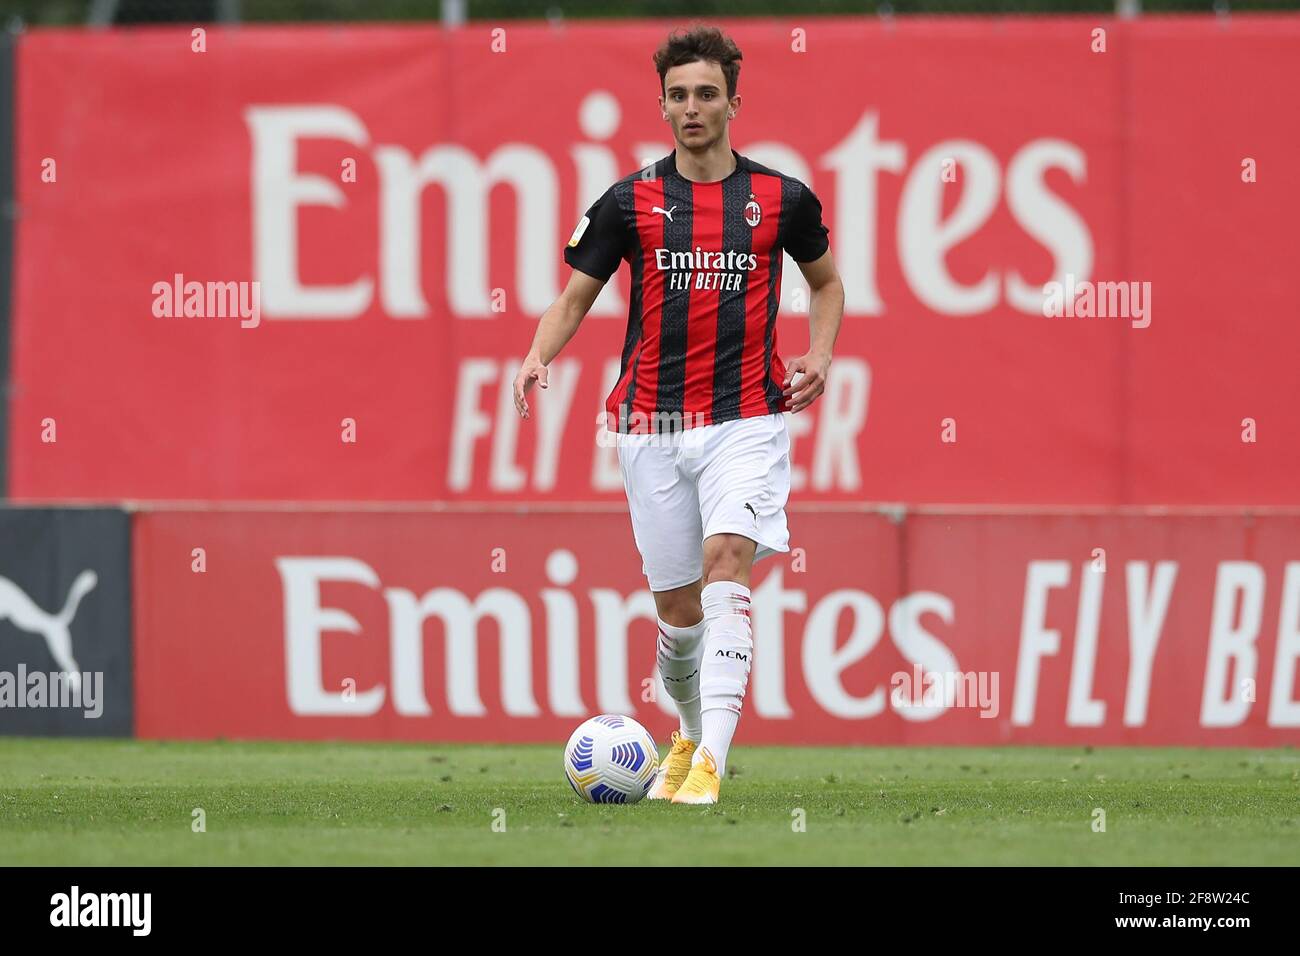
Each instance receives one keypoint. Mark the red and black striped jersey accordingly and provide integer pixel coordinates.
(706, 283)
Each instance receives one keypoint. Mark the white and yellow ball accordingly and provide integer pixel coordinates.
(611, 759)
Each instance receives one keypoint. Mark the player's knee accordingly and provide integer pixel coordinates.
(729, 561)
(728, 566)
(680, 607)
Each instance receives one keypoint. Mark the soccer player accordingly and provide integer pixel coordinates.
(698, 410)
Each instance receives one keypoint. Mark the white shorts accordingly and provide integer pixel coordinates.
(732, 477)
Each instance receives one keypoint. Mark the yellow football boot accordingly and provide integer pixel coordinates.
(702, 783)
(673, 770)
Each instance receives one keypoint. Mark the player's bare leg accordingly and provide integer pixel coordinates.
(680, 607)
(680, 645)
(724, 669)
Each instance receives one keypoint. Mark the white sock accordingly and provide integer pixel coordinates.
(678, 655)
(724, 670)
(719, 728)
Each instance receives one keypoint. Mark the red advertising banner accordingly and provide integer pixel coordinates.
(934, 628)
(304, 263)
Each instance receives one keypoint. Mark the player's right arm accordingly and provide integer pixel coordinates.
(557, 326)
(594, 250)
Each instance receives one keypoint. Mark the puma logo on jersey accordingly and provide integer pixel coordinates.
(667, 212)
(751, 510)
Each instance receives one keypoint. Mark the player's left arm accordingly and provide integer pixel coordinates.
(825, 312)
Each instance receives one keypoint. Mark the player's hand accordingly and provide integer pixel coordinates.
(532, 371)
(815, 367)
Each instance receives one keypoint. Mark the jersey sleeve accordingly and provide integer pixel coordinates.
(806, 238)
(600, 239)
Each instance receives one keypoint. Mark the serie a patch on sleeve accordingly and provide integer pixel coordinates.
(577, 233)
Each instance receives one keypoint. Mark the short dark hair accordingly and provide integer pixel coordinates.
(699, 43)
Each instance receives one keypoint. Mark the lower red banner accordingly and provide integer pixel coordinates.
(927, 629)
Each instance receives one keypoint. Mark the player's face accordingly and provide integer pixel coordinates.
(695, 101)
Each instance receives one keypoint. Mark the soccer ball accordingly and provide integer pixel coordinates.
(611, 759)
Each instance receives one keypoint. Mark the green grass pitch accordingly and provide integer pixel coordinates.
(83, 802)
